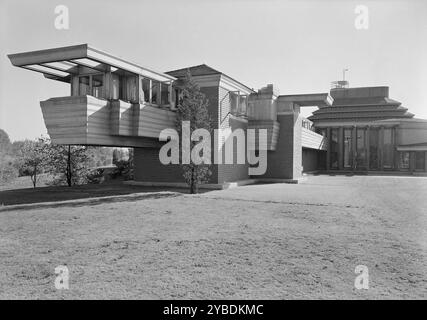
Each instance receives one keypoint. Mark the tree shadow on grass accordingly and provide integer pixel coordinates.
(74, 196)
(92, 201)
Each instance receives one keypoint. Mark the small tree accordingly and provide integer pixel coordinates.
(193, 107)
(70, 162)
(32, 159)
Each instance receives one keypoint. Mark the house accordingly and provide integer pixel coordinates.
(114, 102)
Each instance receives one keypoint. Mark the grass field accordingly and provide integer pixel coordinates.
(277, 241)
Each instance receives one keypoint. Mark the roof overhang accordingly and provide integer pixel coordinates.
(412, 147)
(308, 100)
(60, 63)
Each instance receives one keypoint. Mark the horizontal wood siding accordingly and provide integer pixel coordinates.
(312, 140)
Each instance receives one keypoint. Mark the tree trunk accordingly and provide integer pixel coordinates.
(34, 177)
(194, 186)
(192, 181)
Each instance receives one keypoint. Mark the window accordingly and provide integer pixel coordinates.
(178, 97)
(238, 103)
(388, 149)
(234, 97)
(360, 148)
(91, 85)
(97, 85)
(420, 160)
(115, 86)
(155, 88)
(348, 149)
(373, 148)
(84, 85)
(404, 160)
(145, 85)
(243, 105)
(164, 93)
(333, 147)
(321, 131)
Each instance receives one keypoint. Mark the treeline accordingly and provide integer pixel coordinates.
(65, 164)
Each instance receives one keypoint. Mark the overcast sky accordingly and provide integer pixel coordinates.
(299, 46)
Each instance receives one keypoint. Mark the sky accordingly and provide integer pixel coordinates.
(299, 46)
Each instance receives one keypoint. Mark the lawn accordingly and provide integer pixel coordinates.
(276, 241)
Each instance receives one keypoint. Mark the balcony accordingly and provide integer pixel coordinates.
(86, 120)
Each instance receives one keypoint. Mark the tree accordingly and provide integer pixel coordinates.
(70, 163)
(32, 158)
(8, 172)
(193, 107)
(4, 142)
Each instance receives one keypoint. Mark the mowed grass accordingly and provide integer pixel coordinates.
(277, 241)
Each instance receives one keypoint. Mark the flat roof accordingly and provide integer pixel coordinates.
(59, 63)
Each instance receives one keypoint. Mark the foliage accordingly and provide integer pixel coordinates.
(99, 156)
(95, 176)
(8, 170)
(4, 142)
(193, 107)
(32, 159)
(69, 163)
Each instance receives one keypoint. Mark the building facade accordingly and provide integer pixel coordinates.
(114, 102)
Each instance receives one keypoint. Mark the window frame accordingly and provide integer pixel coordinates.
(91, 75)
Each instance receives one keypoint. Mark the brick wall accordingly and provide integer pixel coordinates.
(148, 167)
(309, 159)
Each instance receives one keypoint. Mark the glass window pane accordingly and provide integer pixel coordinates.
(84, 85)
(333, 148)
(243, 105)
(360, 148)
(420, 160)
(97, 85)
(155, 86)
(145, 84)
(373, 148)
(233, 103)
(404, 160)
(164, 94)
(115, 86)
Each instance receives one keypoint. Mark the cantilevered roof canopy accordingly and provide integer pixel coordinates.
(309, 100)
(60, 63)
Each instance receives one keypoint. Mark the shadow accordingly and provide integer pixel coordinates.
(65, 193)
(91, 202)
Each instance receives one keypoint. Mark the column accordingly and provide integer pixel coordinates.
(340, 148)
(380, 148)
(328, 150)
(367, 144)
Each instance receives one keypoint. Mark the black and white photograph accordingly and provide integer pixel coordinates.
(236, 151)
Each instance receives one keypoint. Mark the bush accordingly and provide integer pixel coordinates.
(95, 176)
(124, 169)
